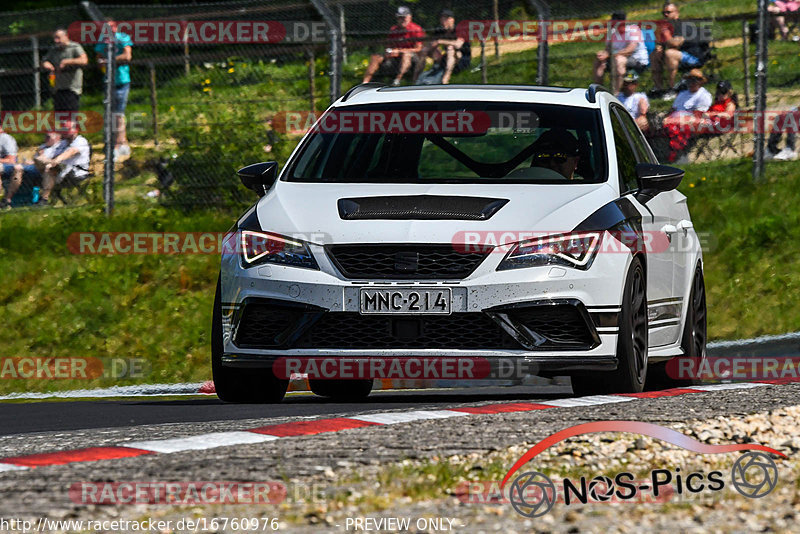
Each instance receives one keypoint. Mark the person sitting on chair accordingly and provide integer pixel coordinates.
(32, 169)
(456, 56)
(406, 42)
(71, 162)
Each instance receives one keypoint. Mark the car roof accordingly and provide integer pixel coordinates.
(378, 94)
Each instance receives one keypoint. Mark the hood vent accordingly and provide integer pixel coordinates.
(422, 207)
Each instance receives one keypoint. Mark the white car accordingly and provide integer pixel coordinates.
(508, 224)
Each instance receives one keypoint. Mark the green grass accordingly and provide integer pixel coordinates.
(57, 304)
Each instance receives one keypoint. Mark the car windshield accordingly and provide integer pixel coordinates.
(449, 142)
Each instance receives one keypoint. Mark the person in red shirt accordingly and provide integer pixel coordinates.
(405, 42)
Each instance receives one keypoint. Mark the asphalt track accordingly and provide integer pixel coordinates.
(24, 418)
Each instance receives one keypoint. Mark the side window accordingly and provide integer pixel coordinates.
(626, 160)
(639, 142)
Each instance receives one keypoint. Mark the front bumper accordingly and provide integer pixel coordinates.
(497, 296)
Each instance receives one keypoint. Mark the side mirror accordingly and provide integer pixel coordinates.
(654, 179)
(259, 176)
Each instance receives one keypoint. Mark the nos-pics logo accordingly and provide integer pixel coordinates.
(533, 494)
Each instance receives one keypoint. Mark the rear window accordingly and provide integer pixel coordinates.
(446, 142)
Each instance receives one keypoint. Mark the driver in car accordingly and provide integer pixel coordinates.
(556, 155)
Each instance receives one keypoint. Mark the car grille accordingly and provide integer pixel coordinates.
(272, 324)
(348, 330)
(405, 261)
(562, 325)
(266, 325)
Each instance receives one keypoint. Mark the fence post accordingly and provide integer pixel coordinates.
(110, 123)
(483, 60)
(761, 92)
(343, 33)
(186, 66)
(496, 14)
(311, 85)
(336, 45)
(542, 68)
(746, 61)
(37, 80)
(153, 101)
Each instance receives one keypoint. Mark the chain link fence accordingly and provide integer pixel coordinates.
(198, 108)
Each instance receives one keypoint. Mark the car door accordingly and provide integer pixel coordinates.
(659, 226)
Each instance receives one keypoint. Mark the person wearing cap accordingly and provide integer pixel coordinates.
(71, 161)
(695, 97)
(32, 169)
(405, 39)
(635, 102)
(556, 155)
(457, 53)
(627, 45)
(687, 115)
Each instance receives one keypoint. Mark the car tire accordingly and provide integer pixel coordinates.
(693, 341)
(245, 386)
(632, 343)
(343, 390)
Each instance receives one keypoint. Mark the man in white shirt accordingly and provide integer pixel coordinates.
(71, 161)
(635, 102)
(628, 47)
(695, 97)
(33, 168)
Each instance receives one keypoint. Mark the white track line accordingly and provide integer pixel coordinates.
(591, 400)
(389, 418)
(10, 467)
(203, 441)
(148, 390)
(722, 387)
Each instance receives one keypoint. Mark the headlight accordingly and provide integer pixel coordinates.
(261, 247)
(571, 250)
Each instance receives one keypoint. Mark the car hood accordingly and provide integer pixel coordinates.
(311, 211)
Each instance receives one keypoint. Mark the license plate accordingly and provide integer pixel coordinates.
(405, 301)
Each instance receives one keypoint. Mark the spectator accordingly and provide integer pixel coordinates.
(679, 44)
(65, 61)
(687, 112)
(71, 161)
(628, 48)
(405, 39)
(777, 8)
(32, 169)
(8, 155)
(122, 84)
(456, 57)
(636, 103)
(788, 153)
